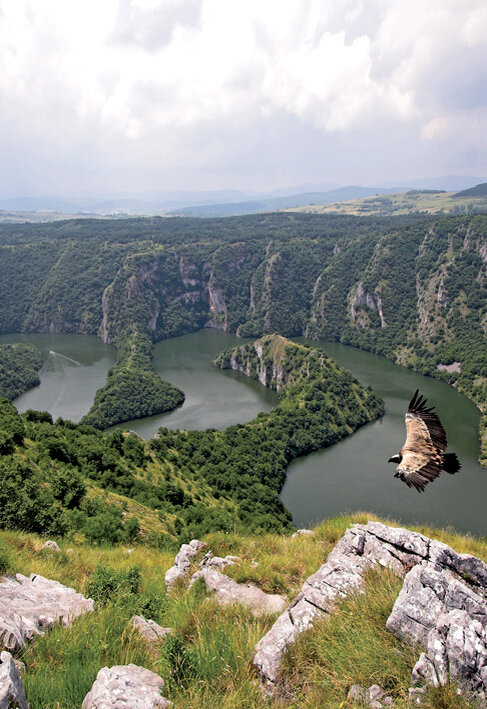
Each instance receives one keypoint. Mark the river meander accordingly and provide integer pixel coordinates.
(352, 475)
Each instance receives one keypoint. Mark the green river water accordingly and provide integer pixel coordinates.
(351, 475)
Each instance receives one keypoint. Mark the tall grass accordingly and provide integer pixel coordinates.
(208, 663)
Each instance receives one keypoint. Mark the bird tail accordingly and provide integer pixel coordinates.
(451, 464)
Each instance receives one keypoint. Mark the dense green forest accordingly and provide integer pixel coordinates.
(410, 288)
(19, 369)
(62, 478)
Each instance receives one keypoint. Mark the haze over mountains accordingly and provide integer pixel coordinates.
(222, 202)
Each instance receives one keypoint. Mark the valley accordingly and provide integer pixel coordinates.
(318, 485)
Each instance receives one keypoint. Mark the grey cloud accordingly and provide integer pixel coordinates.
(152, 29)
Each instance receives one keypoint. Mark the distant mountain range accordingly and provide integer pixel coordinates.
(219, 203)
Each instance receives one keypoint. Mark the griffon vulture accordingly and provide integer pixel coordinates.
(423, 457)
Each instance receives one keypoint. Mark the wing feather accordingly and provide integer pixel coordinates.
(421, 476)
(418, 411)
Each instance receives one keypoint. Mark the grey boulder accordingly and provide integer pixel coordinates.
(126, 687)
(11, 689)
(218, 562)
(373, 697)
(228, 591)
(182, 562)
(149, 630)
(30, 606)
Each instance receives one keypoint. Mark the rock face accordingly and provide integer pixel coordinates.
(30, 606)
(228, 591)
(442, 606)
(149, 630)
(11, 689)
(444, 609)
(182, 562)
(126, 687)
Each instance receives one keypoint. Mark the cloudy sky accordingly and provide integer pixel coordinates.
(102, 96)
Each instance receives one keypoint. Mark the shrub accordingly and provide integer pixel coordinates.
(108, 585)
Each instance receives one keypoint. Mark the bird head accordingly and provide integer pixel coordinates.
(395, 458)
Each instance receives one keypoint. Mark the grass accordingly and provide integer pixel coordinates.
(208, 663)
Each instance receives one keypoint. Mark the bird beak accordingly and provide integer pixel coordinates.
(394, 459)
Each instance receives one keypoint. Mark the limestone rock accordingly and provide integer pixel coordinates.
(30, 606)
(150, 631)
(373, 697)
(395, 548)
(51, 545)
(11, 689)
(308, 532)
(219, 562)
(124, 687)
(182, 562)
(447, 616)
(229, 591)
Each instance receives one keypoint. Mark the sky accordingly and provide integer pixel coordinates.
(111, 96)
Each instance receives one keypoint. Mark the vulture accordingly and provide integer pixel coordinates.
(423, 457)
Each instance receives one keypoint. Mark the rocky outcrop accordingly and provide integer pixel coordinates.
(219, 562)
(306, 532)
(30, 606)
(124, 687)
(362, 298)
(444, 609)
(182, 562)
(218, 308)
(228, 591)
(443, 604)
(373, 697)
(149, 630)
(11, 688)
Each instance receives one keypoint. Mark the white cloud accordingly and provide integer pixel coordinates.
(154, 81)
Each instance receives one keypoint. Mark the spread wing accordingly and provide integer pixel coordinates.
(418, 471)
(420, 419)
(422, 459)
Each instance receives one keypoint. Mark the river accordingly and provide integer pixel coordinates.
(351, 475)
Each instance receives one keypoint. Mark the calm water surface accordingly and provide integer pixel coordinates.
(75, 367)
(215, 398)
(352, 475)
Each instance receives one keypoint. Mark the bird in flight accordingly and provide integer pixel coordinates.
(423, 457)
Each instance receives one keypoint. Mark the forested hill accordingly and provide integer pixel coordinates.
(59, 477)
(412, 289)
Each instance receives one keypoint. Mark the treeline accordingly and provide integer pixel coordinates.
(19, 369)
(60, 478)
(133, 390)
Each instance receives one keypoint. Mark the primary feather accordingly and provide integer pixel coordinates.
(423, 457)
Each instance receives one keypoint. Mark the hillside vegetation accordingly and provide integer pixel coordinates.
(208, 663)
(62, 478)
(411, 288)
(19, 369)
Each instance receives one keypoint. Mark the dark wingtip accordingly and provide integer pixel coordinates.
(451, 464)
